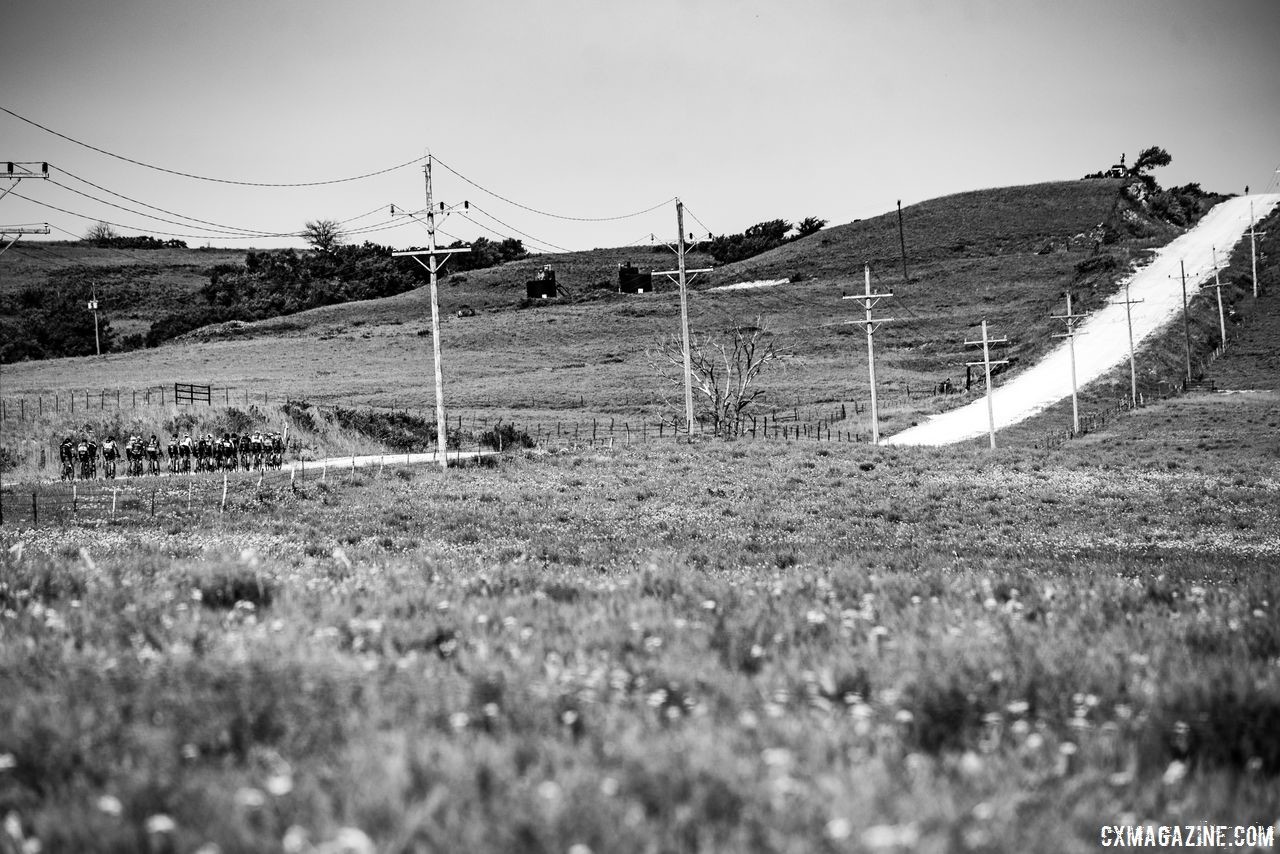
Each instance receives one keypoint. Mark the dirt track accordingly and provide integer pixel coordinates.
(1101, 340)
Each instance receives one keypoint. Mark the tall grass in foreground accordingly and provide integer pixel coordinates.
(721, 647)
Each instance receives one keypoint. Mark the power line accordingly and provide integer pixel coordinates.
(205, 177)
(548, 213)
(516, 230)
(365, 230)
(248, 231)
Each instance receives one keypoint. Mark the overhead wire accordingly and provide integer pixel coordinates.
(205, 177)
(248, 231)
(211, 236)
(514, 229)
(549, 213)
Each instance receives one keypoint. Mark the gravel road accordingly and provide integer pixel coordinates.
(1101, 340)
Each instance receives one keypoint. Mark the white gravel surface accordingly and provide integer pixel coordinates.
(1101, 340)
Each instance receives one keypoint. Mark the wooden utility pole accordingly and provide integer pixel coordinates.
(1128, 316)
(433, 267)
(902, 241)
(1253, 247)
(870, 324)
(93, 306)
(1217, 286)
(986, 362)
(1071, 320)
(682, 279)
(1186, 317)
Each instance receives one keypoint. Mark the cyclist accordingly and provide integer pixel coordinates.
(228, 451)
(93, 455)
(82, 454)
(184, 451)
(173, 454)
(153, 454)
(67, 455)
(110, 453)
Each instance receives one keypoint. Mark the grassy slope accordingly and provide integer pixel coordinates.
(973, 257)
(135, 286)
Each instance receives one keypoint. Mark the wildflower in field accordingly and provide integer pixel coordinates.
(7, 761)
(885, 837)
(815, 618)
(249, 798)
(295, 840)
(349, 840)
(838, 829)
(279, 784)
(109, 805)
(160, 823)
(609, 787)
(459, 720)
(1120, 779)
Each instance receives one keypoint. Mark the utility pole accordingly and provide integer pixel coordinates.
(870, 324)
(1217, 285)
(16, 172)
(93, 306)
(1186, 317)
(1072, 320)
(683, 275)
(902, 241)
(433, 266)
(1253, 246)
(986, 362)
(1128, 316)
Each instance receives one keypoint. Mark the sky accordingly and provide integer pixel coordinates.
(588, 111)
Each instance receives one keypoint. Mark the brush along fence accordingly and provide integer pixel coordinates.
(178, 497)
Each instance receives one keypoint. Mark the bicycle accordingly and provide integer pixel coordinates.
(87, 471)
(109, 467)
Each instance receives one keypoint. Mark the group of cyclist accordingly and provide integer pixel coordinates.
(206, 453)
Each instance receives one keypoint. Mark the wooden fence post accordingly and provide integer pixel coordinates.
(153, 501)
(113, 502)
(223, 509)
(35, 510)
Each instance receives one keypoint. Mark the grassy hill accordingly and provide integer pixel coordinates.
(1006, 255)
(135, 286)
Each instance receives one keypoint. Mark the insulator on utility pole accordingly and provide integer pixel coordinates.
(871, 324)
(986, 341)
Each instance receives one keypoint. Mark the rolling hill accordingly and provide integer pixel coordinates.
(1006, 255)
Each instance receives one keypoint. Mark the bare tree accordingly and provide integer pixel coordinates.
(726, 369)
(101, 233)
(323, 234)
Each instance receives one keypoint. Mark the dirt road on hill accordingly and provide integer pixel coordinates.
(1102, 340)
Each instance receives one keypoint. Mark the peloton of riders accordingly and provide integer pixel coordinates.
(258, 450)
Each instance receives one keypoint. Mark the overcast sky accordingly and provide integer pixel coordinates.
(746, 110)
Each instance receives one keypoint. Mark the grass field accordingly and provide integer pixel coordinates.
(669, 646)
(717, 646)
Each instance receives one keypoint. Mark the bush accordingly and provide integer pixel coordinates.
(505, 437)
